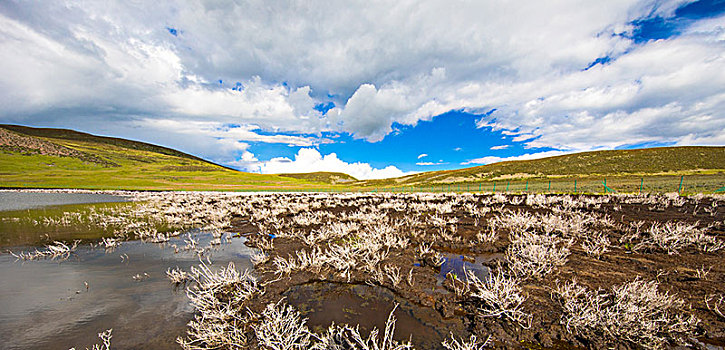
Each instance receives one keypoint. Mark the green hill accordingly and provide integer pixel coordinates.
(323, 177)
(58, 158)
(705, 162)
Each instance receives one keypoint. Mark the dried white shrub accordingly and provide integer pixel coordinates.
(282, 328)
(471, 344)
(535, 255)
(177, 275)
(218, 298)
(634, 311)
(105, 340)
(714, 304)
(595, 244)
(345, 337)
(500, 296)
(672, 237)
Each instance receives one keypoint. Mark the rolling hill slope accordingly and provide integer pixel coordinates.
(324, 177)
(637, 162)
(58, 158)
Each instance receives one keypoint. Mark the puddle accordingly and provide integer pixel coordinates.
(323, 303)
(458, 264)
(45, 303)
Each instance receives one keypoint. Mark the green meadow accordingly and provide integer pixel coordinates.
(56, 158)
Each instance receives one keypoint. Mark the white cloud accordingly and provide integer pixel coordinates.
(228, 132)
(422, 155)
(527, 156)
(310, 160)
(661, 92)
(428, 163)
(245, 161)
(87, 63)
(221, 143)
(495, 148)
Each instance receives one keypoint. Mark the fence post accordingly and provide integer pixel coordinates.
(494, 187)
(641, 183)
(549, 190)
(574, 186)
(527, 186)
(681, 178)
(507, 185)
(605, 185)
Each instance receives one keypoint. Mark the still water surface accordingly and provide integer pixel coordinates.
(18, 200)
(44, 304)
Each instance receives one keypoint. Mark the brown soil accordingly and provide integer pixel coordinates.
(438, 312)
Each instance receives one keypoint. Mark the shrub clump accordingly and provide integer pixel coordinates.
(634, 311)
(536, 255)
(673, 237)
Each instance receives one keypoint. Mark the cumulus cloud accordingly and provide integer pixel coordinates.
(265, 66)
(527, 156)
(664, 91)
(221, 143)
(310, 160)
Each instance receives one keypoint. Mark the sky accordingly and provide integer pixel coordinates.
(374, 89)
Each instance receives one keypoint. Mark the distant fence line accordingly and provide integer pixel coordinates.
(687, 184)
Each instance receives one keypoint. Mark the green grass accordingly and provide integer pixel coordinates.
(324, 177)
(72, 135)
(661, 161)
(691, 184)
(142, 166)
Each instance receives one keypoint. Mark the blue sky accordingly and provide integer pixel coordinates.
(370, 89)
(448, 141)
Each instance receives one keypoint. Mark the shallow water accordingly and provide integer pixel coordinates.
(460, 266)
(27, 228)
(19, 200)
(369, 306)
(45, 303)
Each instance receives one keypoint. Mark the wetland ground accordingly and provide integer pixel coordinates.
(515, 271)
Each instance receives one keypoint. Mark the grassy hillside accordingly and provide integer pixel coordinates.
(56, 158)
(324, 177)
(638, 162)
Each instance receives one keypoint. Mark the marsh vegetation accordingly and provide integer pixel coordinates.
(424, 270)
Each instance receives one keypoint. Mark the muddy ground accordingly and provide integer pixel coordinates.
(429, 309)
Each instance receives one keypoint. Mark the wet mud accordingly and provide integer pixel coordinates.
(431, 310)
